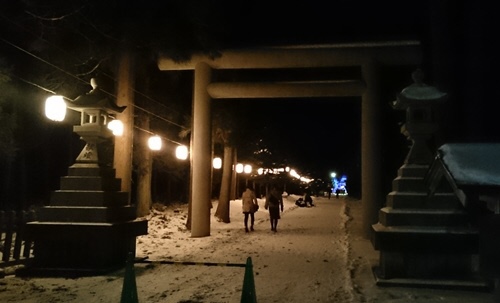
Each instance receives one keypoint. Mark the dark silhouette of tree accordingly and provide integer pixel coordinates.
(8, 148)
(223, 125)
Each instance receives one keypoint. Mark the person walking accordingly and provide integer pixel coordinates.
(274, 201)
(249, 206)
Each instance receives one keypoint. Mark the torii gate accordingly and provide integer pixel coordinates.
(368, 56)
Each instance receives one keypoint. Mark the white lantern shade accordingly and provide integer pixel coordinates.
(154, 143)
(217, 163)
(239, 168)
(55, 108)
(260, 171)
(116, 126)
(247, 169)
(181, 152)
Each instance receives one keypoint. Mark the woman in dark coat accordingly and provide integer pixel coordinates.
(274, 201)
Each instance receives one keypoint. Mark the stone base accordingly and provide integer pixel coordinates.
(81, 249)
(452, 284)
(428, 265)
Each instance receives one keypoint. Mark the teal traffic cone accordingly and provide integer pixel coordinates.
(129, 290)
(248, 294)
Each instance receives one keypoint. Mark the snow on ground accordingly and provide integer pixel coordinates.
(317, 255)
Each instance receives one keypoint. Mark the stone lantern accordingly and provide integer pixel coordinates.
(423, 240)
(420, 101)
(89, 226)
(95, 111)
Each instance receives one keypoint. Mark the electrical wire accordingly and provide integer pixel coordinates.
(79, 79)
(54, 93)
(152, 133)
(60, 69)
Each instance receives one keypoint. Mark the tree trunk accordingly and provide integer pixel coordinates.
(234, 176)
(222, 212)
(124, 143)
(144, 170)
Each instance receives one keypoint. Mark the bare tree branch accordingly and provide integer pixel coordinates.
(54, 18)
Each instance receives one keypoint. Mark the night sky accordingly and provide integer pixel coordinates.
(316, 135)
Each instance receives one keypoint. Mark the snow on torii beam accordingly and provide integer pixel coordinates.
(368, 56)
(307, 56)
(351, 88)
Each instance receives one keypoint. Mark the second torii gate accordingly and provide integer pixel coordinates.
(368, 56)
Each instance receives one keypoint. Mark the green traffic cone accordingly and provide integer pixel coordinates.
(129, 290)
(248, 294)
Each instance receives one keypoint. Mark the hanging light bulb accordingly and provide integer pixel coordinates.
(247, 168)
(55, 108)
(239, 168)
(217, 163)
(116, 126)
(181, 152)
(154, 143)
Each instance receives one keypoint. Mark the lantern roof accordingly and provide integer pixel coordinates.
(418, 92)
(95, 99)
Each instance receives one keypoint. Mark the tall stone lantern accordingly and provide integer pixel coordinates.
(420, 101)
(423, 240)
(89, 227)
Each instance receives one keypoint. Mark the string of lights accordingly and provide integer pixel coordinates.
(54, 93)
(78, 78)
(153, 133)
(69, 99)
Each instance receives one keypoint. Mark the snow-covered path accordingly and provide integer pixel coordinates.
(306, 260)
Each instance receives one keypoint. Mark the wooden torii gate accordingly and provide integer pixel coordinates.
(368, 56)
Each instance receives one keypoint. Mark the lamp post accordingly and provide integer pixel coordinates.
(89, 226)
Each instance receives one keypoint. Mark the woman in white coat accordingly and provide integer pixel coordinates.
(249, 205)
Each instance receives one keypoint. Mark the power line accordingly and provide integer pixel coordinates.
(153, 133)
(74, 76)
(54, 93)
(42, 60)
(153, 114)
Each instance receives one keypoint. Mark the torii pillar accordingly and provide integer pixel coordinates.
(370, 145)
(201, 151)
